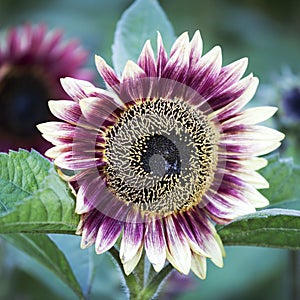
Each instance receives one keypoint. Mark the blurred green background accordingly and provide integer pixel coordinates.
(268, 32)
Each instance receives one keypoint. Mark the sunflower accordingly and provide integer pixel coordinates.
(32, 60)
(163, 154)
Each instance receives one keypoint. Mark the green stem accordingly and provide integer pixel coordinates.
(136, 283)
(150, 291)
(130, 281)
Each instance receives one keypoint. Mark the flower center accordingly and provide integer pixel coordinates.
(161, 155)
(292, 104)
(23, 100)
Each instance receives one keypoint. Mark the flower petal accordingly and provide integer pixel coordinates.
(98, 111)
(251, 116)
(162, 57)
(178, 63)
(147, 60)
(133, 236)
(132, 263)
(198, 265)
(206, 234)
(155, 243)
(196, 46)
(228, 77)
(88, 228)
(205, 73)
(76, 89)
(107, 73)
(178, 249)
(108, 234)
(246, 87)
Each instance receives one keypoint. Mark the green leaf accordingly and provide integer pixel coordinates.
(45, 251)
(279, 228)
(139, 23)
(284, 178)
(33, 198)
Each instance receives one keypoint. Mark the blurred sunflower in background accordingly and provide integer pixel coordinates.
(32, 61)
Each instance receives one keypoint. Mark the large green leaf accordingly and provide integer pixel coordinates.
(33, 198)
(140, 22)
(284, 179)
(279, 228)
(45, 251)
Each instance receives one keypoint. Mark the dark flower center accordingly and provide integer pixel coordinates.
(161, 155)
(23, 100)
(291, 103)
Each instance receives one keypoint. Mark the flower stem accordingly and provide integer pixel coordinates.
(129, 280)
(152, 287)
(136, 283)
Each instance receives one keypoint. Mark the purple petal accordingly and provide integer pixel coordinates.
(228, 76)
(93, 194)
(89, 227)
(66, 110)
(132, 87)
(205, 73)
(178, 63)
(99, 111)
(77, 89)
(147, 61)
(234, 98)
(78, 161)
(107, 73)
(188, 231)
(206, 235)
(133, 236)
(162, 57)
(108, 234)
(196, 48)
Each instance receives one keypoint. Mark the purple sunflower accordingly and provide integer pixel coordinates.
(32, 61)
(163, 154)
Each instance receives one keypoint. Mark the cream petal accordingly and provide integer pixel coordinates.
(251, 134)
(132, 263)
(256, 198)
(253, 163)
(254, 179)
(54, 152)
(198, 265)
(252, 116)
